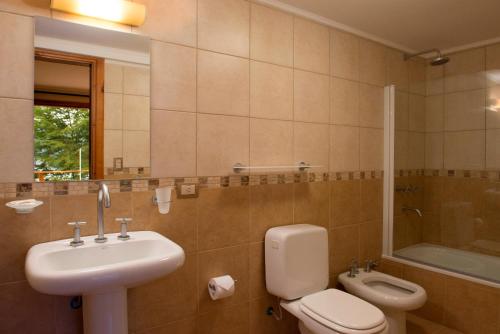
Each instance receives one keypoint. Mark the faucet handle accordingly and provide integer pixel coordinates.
(76, 238)
(123, 228)
(77, 224)
(370, 264)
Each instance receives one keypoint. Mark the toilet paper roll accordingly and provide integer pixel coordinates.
(221, 287)
(163, 199)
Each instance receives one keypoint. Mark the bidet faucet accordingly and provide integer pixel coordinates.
(370, 264)
(353, 268)
(103, 200)
(419, 213)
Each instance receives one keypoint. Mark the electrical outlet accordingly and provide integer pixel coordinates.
(187, 190)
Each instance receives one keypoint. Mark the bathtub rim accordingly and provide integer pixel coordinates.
(441, 271)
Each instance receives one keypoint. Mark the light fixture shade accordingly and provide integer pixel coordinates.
(120, 11)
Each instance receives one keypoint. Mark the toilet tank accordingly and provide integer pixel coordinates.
(296, 260)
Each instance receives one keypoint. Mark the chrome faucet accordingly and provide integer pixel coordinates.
(353, 268)
(103, 200)
(419, 213)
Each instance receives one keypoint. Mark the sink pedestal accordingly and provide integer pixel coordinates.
(106, 313)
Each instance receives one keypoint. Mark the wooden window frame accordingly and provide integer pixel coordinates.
(96, 101)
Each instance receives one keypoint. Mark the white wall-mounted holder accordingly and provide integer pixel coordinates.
(24, 206)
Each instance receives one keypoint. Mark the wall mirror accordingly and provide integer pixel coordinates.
(92, 103)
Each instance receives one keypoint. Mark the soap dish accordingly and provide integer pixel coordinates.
(24, 206)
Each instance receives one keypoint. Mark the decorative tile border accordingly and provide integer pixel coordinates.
(36, 189)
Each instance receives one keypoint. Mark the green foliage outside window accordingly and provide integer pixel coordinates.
(60, 133)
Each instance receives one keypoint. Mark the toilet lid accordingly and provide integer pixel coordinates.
(342, 309)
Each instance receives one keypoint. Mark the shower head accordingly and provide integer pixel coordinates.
(436, 61)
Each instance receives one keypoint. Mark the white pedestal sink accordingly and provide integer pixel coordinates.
(101, 273)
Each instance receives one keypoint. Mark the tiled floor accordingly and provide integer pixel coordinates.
(417, 325)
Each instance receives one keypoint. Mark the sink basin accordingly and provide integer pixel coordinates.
(102, 272)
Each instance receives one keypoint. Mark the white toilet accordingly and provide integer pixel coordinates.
(393, 295)
(297, 272)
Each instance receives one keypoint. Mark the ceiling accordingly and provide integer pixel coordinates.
(412, 25)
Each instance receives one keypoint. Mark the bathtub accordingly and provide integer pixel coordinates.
(483, 267)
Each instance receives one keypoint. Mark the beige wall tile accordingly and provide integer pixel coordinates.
(224, 26)
(493, 107)
(223, 84)
(179, 225)
(170, 21)
(20, 233)
(186, 326)
(402, 111)
(271, 35)
(465, 71)
(370, 240)
(113, 111)
(173, 77)
(397, 70)
(344, 148)
(113, 146)
(311, 144)
(271, 142)
(371, 106)
(434, 150)
(344, 247)
(226, 261)
(311, 42)
(271, 91)
(464, 110)
(136, 148)
(168, 299)
(416, 150)
(24, 310)
(173, 143)
(312, 203)
(136, 112)
(401, 149)
(344, 55)
(136, 80)
(311, 97)
(226, 320)
(66, 209)
(416, 113)
(435, 79)
(27, 7)
(344, 102)
(270, 205)
(223, 217)
(113, 78)
(371, 63)
(257, 275)
(223, 137)
(371, 149)
(16, 64)
(493, 149)
(434, 113)
(461, 312)
(417, 74)
(464, 150)
(371, 201)
(16, 140)
(346, 200)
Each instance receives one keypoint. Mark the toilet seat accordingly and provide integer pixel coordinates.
(334, 311)
(339, 310)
